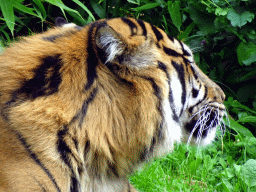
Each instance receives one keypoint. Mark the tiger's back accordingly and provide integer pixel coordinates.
(82, 107)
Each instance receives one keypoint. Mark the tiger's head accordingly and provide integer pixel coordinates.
(98, 100)
(190, 103)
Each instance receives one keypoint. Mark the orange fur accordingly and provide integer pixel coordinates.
(100, 148)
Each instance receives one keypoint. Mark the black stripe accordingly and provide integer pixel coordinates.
(92, 60)
(65, 151)
(171, 52)
(84, 109)
(158, 34)
(112, 170)
(200, 101)
(195, 92)
(181, 75)
(157, 90)
(142, 25)
(74, 184)
(144, 154)
(62, 146)
(36, 159)
(86, 148)
(171, 38)
(186, 61)
(40, 185)
(132, 26)
(52, 38)
(46, 80)
(158, 133)
(193, 72)
(185, 52)
(163, 67)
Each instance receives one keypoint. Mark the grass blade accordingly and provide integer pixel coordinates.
(237, 127)
(39, 8)
(146, 7)
(98, 9)
(25, 9)
(85, 8)
(7, 10)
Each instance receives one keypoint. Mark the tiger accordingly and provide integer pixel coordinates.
(83, 107)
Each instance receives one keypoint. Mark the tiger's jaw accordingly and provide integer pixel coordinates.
(200, 127)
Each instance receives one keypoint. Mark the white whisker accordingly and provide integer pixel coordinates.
(204, 121)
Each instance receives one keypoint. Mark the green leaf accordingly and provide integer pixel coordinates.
(248, 172)
(227, 186)
(248, 119)
(63, 7)
(221, 12)
(39, 8)
(223, 163)
(25, 9)
(98, 9)
(235, 103)
(186, 33)
(229, 173)
(237, 127)
(7, 10)
(204, 21)
(134, 1)
(7, 35)
(239, 20)
(252, 34)
(146, 6)
(237, 169)
(85, 8)
(246, 53)
(250, 144)
(193, 166)
(174, 11)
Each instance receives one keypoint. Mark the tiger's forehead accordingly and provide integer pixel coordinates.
(132, 28)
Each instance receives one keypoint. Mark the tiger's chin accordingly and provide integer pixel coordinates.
(202, 126)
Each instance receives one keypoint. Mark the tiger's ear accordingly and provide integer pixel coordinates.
(110, 43)
(60, 21)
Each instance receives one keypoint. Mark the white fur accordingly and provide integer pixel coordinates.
(173, 128)
(177, 92)
(190, 58)
(210, 137)
(113, 46)
(69, 25)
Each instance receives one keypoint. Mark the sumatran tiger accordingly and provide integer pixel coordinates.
(83, 107)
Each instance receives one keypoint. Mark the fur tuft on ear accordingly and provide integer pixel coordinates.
(60, 21)
(111, 42)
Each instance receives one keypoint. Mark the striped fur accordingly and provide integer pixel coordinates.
(82, 107)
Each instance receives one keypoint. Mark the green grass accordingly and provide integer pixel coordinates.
(228, 164)
(224, 165)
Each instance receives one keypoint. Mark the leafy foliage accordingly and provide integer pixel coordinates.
(222, 36)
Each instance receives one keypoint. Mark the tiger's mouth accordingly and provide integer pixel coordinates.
(203, 123)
